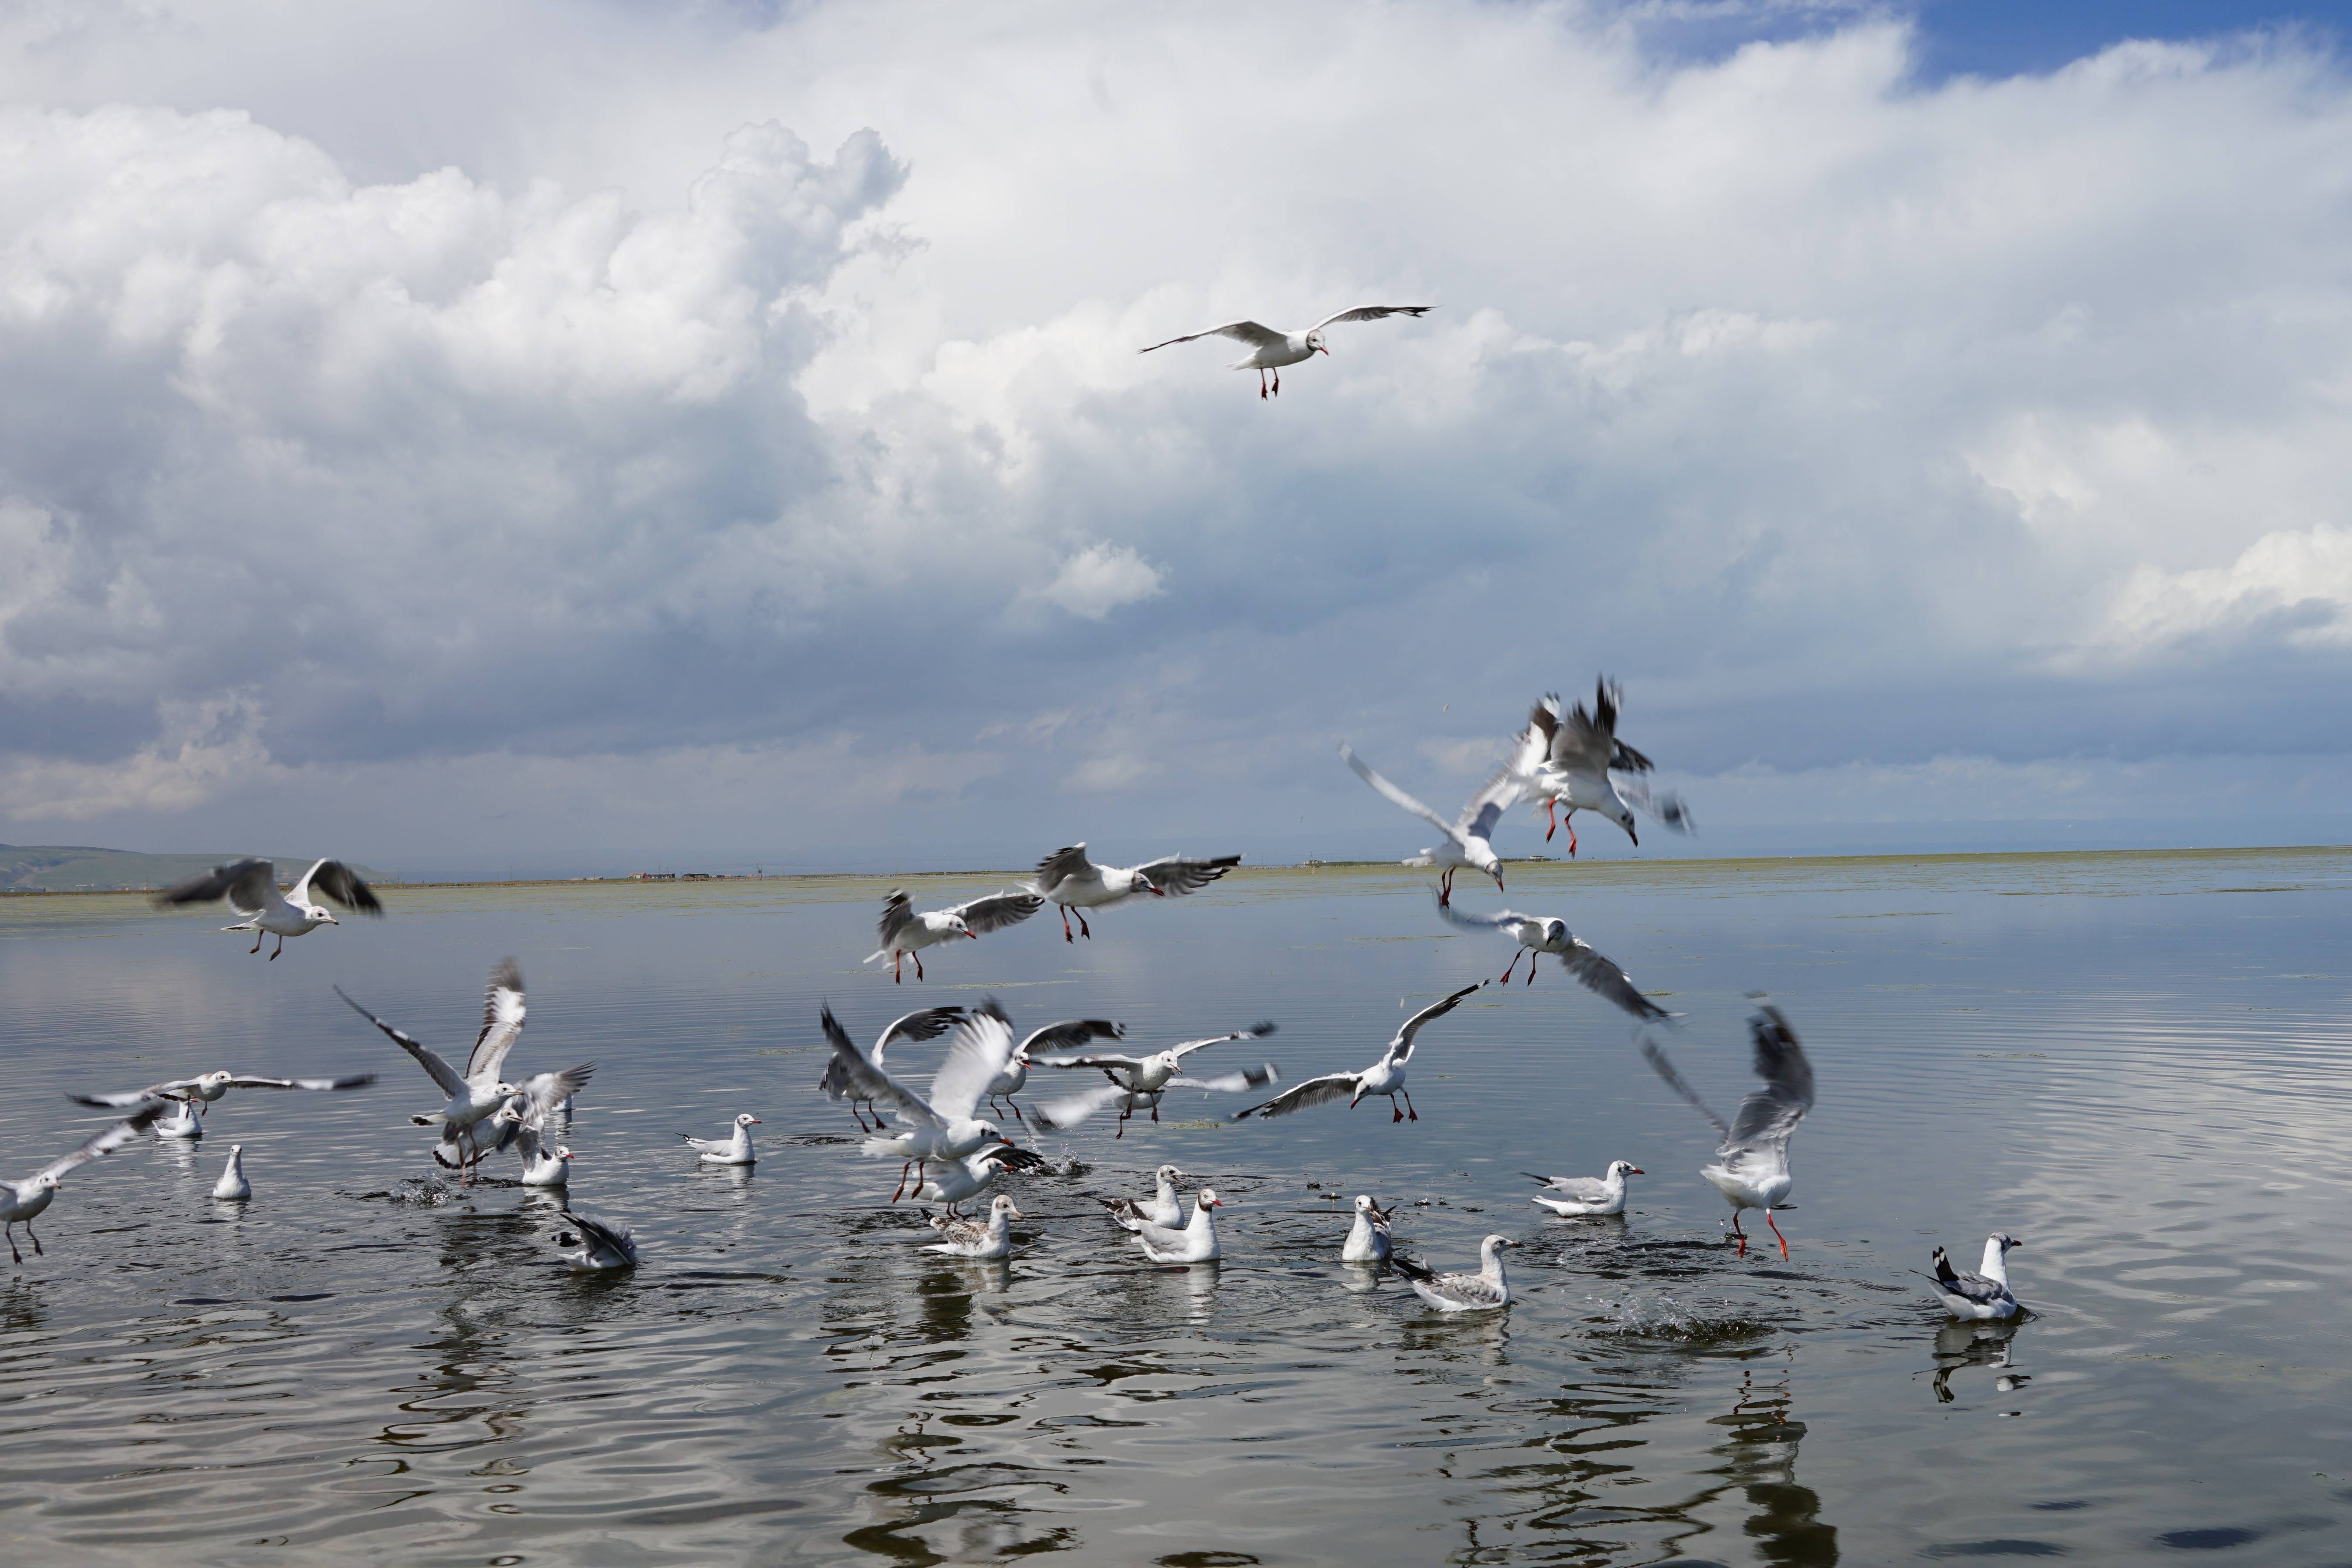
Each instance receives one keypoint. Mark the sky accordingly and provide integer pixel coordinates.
(547, 439)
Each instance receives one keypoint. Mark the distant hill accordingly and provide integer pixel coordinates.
(76, 868)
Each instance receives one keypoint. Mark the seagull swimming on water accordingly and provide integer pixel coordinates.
(730, 1150)
(1067, 879)
(1586, 1195)
(1271, 350)
(1368, 1239)
(1579, 752)
(905, 931)
(233, 1187)
(1196, 1243)
(1751, 1168)
(1384, 1076)
(1165, 1206)
(989, 1238)
(251, 888)
(1466, 845)
(1983, 1295)
(22, 1203)
(1538, 935)
(1138, 1082)
(1483, 1291)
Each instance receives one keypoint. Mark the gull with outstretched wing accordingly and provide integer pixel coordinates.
(209, 1086)
(22, 1203)
(251, 888)
(1067, 879)
(1580, 754)
(923, 1024)
(1138, 1082)
(1271, 349)
(906, 930)
(1538, 935)
(1465, 843)
(941, 1125)
(1751, 1168)
(1384, 1076)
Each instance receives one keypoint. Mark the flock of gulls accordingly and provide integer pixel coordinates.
(948, 1135)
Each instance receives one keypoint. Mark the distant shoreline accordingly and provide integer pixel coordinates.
(1677, 864)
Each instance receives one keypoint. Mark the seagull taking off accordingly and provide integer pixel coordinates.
(1981, 1296)
(476, 1095)
(1466, 844)
(1538, 935)
(1065, 1036)
(1483, 1291)
(733, 1151)
(927, 1023)
(944, 1126)
(1751, 1168)
(905, 931)
(1271, 350)
(1580, 751)
(209, 1086)
(1368, 1239)
(251, 888)
(22, 1203)
(1586, 1195)
(1069, 879)
(602, 1245)
(1384, 1076)
(1138, 1082)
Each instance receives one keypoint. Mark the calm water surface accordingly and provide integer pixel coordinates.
(2139, 1064)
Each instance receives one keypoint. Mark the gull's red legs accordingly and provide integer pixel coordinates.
(1777, 1235)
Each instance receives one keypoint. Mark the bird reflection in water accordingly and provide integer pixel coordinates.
(1965, 1344)
(1760, 1459)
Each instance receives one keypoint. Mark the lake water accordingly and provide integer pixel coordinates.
(2138, 1064)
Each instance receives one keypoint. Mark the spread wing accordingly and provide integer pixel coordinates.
(248, 885)
(1250, 332)
(897, 914)
(176, 1089)
(107, 1141)
(1067, 1110)
(997, 911)
(349, 1080)
(1401, 1048)
(1586, 742)
(1230, 1082)
(502, 1016)
(1664, 1069)
(1667, 809)
(1770, 1114)
(1061, 866)
(1072, 1032)
(862, 1079)
(982, 1047)
(543, 1092)
(1486, 808)
(1601, 976)
(1300, 1096)
(442, 1073)
(1501, 920)
(601, 1231)
(341, 883)
(1395, 795)
(924, 1024)
(1172, 874)
(1257, 1031)
(1105, 1060)
(1370, 313)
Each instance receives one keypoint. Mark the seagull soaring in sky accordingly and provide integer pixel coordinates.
(1579, 752)
(1271, 350)
(251, 888)
(1465, 843)
(1073, 882)
(906, 932)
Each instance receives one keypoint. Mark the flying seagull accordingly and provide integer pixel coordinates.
(1069, 1034)
(1384, 1076)
(22, 1203)
(1580, 751)
(251, 888)
(1751, 1168)
(1466, 844)
(1538, 935)
(1068, 879)
(942, 1126)
(1138, 1082)
(924, 1024)
(905, 931)
(1271, 350)
(209, 1086)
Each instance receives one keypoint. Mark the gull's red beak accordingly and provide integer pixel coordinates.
(973, 934)
(1637, 1171)
(1321, 350)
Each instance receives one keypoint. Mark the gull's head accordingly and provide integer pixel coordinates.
(2007, 1241)
(954, 926)
(1003, 1205)
(1315, 344)
(747, 1120)
(563, 1150)
(215, 1081)
(234, 1150)
(45, 1182)
(1209, 1199)
(322, 917)
(1169, 1174)
(1620, 1168)
(1493, 1242)
(1555, 933)
(1369, 1209)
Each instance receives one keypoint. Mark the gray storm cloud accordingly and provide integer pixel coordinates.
(1969, 446)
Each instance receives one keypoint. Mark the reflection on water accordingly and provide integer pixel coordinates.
(2145, 1071)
